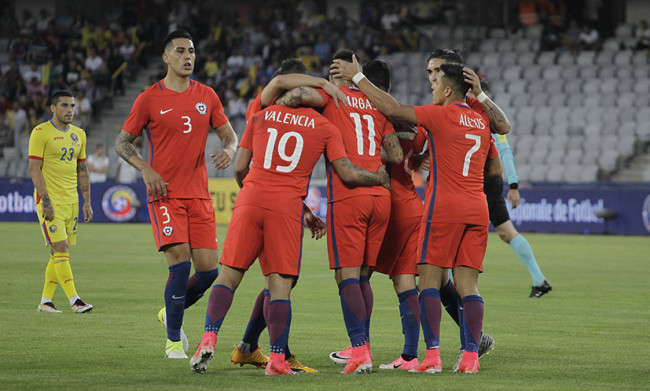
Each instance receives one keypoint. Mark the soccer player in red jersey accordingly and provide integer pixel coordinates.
(177, 113)
(248, 350)
(356, 217)
(454, 227)
(281, 145)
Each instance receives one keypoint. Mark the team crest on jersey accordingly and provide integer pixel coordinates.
(168, 230)
(53, 228)
(74, 137)
(202, 108)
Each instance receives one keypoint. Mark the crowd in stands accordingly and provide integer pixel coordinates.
(239, 45)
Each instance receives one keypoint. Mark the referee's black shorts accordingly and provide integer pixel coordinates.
(493, 188)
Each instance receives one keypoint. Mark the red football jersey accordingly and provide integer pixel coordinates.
(459, 141)
(177, 126)
(254, 107)
(286, 144)
(405, 202)
(363, 128)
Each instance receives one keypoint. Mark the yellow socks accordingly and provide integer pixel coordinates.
(64, 273)
(51, 281)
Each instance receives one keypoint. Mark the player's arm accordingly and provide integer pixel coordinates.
(498, 121)
(313, 222)
(156, 186)
(300, 96)
(508, 161)
(282, 83)
(242, 165)
(385, 103)
(391, 150)
(222, 159)
(36, 172)
(493, 167)
(83, 177)
(405, 131)
(354, 175)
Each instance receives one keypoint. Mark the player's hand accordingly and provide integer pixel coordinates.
(344, 69)
(88, 212)
(47, 208)
(425, 164)
(384, 177)
(222, 159)
(336, 94)
(156, 186)
(472, 78)
(513, 197)
(314, 223)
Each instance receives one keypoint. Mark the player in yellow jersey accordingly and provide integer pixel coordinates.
(57, 161)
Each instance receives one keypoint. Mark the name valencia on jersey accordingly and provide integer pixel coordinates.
(289, 118)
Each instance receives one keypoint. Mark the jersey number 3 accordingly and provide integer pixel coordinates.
(292, 159)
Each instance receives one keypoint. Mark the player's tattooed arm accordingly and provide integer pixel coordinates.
(392, 148)
(354, 175)
(498, 121)
(124, 146)
(156, 185)
(36, 172)
(84, 184)
(300, 96)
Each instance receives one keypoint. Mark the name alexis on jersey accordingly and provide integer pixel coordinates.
(289, 118)
(471, 122)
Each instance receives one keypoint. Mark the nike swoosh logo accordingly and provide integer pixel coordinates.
(397, 366)
(178, 297)
(165, 111)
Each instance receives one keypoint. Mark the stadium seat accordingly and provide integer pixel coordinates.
(557, 100)
(588, 72)
(642, 86)
(592, 130)
(641, 72)
(543, 115)
(552, 72)
(546, 58)
(640, 58)
(512, 72)
(517, 86)
(520, 99)
(522, 45)
(524, 114)
(502, 100)
(561, 114)
(625, 84)
(554, 173)
(566, 58)
(608, 160)
(624, 30)
(625, 145)
(497, 88)
(611, 44)
(538, 99)
(569, 72)
(473, 59)
(585, 58)
(608, 85)
(625, 71)
(554, 85)
(643, 131)
(10, 153)
(534, 32)
(497, 33)
(607, 71)
(537, 157)
(491, 59)
(523, 171)
(643, 115)
(3, 168)
(505, 45)
(573, 156)
(526, 59)
(489, 45)
(573, 87)
(590, 157)
(623, 57)
(558, 131)
(537, 173)
(509, 58)
(627, 99)
(524, 128)
(543, 128)
(588, 173)
(591, 86)
(642, 100)
(535, 86)
(532, 72)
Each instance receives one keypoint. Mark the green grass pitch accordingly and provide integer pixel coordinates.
(591, 332)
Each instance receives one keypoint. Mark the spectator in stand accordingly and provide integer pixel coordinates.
(12, 78)
(589, 38)
(34, 72)
(93, 61)
(323, 49)
(390, 18)
(19, 118)
(572, 36)
(34, 88)
(98, 165)
(642, 33)
(114, 64)
(6, 133)
(83, 110)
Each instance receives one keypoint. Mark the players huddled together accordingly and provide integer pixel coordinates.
(376, 222)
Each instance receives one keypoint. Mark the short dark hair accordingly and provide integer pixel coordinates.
(345, 55)
(173, 35)
(292, 65)
(58, 94)
(378, 72)
(453, 73)
(449, 55)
